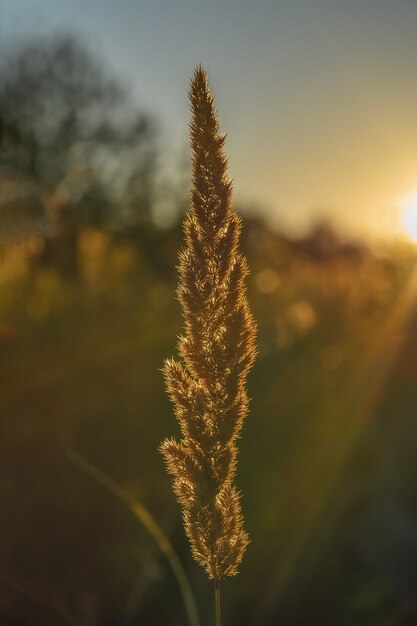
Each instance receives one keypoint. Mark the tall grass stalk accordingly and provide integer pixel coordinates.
(208, 386)
(217, 606)
(149, 523)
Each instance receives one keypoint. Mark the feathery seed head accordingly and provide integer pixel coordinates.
(208, 389)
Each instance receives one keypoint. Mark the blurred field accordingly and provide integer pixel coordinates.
(327, 464)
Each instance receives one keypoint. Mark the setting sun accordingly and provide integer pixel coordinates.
(409, 217)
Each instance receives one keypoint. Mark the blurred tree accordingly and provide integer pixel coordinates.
(71, 134)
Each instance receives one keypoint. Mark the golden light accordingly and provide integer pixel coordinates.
(409, 217)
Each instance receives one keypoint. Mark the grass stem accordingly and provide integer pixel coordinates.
(217, 601)
(143, 515)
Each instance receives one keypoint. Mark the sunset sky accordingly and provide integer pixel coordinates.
(319, 98)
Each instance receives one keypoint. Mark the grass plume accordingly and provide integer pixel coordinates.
(207, 387)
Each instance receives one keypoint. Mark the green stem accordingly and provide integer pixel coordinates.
(143, 515)
(217, 601)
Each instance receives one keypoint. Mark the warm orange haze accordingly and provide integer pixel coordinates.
(121, 245)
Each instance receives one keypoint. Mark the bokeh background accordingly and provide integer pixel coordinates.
(319, 103)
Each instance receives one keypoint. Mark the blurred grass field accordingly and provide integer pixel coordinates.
(327, 461)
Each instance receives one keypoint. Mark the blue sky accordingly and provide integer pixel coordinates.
(319, 98)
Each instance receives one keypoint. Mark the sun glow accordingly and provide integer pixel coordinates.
(409, 217)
